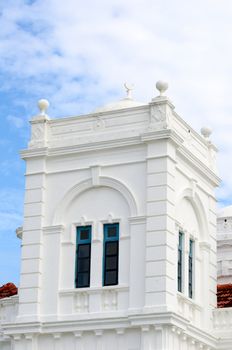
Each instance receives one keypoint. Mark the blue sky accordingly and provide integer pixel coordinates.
(78, 55)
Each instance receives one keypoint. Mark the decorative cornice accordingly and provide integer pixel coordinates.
(35, 152)
(87, 147)
(159, 100)
(103, 144)
(200, 166)
(200, 138)
(162, 134)
(114, 321)
(97, 145)
(91, 116)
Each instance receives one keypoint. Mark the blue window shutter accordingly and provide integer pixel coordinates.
(111, 254)
(190, 268)
(180, 263)
(83, 256)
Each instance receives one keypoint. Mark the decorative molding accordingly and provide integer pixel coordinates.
(119, 320)
(227, 243)
(99, 123)
(98, 332)
(93, 290)
(206, 246)
(95, 172)
(17, 337)
(109, 299)
(128, 140)
(32, 153)
(82, 302)
(78, 334)
(189, 301)
(47, 230)
(57, 336)
(171, 134)
(160, 114)
(145, 328)
(198, 208)
(193, 186)
(85, 185)
(137, 220)
(83, 221)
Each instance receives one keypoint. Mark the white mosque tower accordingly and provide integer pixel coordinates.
(119, 234)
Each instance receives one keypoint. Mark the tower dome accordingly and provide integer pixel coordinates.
(126, 102)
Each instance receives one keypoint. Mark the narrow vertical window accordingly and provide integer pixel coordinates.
(190, 268)
(110, 257)
(83, 256)
(180, 263)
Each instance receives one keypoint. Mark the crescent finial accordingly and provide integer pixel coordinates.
(129, 88)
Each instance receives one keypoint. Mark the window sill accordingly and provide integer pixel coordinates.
(94, 290)
(188, 300)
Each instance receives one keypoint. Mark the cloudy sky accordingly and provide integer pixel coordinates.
(78, 54)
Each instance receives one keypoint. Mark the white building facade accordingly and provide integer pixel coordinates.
(224, 245)
(119, 234)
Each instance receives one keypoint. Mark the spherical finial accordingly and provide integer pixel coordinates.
(161, 86)
(206, 132)
(43, 106)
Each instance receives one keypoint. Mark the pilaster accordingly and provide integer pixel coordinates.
(160, 282)
(137, 244)
(98, 341)
(31, 342)
(78, 340)
(32, 239)
(120, 338)
(52, 260)
(145, 338)
(207, 311)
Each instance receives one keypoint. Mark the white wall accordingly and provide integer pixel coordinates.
(145, 168)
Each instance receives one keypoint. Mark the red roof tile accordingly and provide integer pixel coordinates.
(7, 290)
(224, 295)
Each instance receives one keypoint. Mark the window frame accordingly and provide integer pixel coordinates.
(82, 242)
(108, 239)
(180, 260)
(191, 271)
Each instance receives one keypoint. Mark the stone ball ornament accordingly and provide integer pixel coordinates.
(206, 132)
(161, 86)
(43, 105)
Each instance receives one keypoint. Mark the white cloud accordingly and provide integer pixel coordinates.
(15, 121)
(78, 54)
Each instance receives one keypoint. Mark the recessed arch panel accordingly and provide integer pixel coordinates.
(191, 214)
(86, 185)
